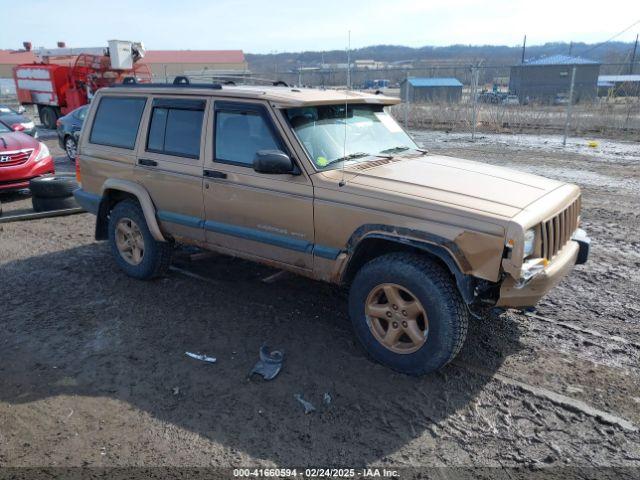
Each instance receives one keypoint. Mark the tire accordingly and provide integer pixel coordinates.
(53, 186)
(156, 256)
(48, 117)
(71, 148)
(442, 324)
(44, 204)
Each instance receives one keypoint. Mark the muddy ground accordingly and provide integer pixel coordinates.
(93, 369)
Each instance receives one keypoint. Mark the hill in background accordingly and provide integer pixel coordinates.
(612, 52)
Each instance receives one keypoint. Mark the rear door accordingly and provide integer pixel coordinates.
(265, 216)
(170, 159)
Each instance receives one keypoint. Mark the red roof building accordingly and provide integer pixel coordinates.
(161, 62)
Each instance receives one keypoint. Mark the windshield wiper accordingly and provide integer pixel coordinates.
(351, 156)
(399, 148)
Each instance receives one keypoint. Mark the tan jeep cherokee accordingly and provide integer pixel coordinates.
(325, 184)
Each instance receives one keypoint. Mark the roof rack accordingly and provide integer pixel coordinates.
(180, 81)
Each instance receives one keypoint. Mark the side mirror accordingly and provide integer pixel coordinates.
(21, 109)
(273, 161)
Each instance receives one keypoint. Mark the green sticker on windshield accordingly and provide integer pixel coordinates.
(322, 161)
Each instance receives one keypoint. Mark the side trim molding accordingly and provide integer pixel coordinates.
(253, 234)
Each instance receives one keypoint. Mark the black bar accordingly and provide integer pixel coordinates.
(147, 163)
(214, 174)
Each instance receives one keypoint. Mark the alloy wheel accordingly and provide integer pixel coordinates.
(396, 318)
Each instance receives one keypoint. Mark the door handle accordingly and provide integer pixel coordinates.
(214, 174)
(147, 162)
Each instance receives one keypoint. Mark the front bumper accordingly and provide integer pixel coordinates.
(514, 294)
(17, 177)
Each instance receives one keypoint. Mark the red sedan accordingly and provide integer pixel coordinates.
(21, 159)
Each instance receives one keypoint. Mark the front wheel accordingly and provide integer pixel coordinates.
(132, 245)
(71, 148)
(407, 313)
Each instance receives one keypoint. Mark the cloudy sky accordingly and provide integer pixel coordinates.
(284, 25)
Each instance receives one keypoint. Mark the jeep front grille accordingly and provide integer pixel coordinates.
(556, 232)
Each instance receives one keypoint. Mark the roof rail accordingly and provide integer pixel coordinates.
(129, 82)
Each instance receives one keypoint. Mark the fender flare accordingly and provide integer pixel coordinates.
(445, 250)
(138, 191)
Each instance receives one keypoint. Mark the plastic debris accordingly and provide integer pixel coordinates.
(592, 144)
(270, 363)
(202, 358)
(326, 399)
(308, 406)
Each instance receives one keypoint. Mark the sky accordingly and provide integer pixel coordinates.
(284, 25)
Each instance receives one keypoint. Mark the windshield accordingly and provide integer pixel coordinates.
(369, 132)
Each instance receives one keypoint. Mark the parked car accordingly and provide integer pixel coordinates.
(21, 158)
(511, 100)
(16, 121)
(68, 129)
(266, 174)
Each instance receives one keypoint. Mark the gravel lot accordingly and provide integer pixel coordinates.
(93, 369)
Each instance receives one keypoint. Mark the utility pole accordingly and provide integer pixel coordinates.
(569, 106)
(570, 47)
(524, 46)
(406, 101)
(349, 62)
(475, 72)
(633, 56)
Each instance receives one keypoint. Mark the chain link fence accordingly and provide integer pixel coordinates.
(483, 99)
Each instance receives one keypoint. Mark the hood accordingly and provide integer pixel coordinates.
(478, 186)
(16, 141)
(12, 118)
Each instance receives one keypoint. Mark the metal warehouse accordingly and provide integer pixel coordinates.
(431, 90)
(542, 80)
(619, 85)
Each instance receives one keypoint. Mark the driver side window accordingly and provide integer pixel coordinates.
(240, 134)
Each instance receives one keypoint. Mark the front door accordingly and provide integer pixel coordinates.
(261, 216)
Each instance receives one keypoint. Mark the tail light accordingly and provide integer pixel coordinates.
(17, 127)
(78, 176)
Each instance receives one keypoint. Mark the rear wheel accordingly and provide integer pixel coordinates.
(48, 117)
(407, 313)
(132, 245)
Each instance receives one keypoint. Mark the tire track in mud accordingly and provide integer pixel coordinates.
(563, 401)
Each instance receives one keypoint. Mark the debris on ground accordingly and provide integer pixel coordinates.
(275, 277)
(270, 363)
(175, 390)
(202, 358)
(308, 406)
(326, 399)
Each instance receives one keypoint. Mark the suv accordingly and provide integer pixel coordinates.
(325, 184)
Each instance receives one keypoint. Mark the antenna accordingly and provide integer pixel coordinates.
(346, 106)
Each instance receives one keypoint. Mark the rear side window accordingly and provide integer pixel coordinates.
(240, 134)
(117, 120)
(176, 127)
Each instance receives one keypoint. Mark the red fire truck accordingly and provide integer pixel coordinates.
(58, 88)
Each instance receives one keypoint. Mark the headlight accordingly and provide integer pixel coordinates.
(529, 242)
(43, 153)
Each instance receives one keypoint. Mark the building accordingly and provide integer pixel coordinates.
(162, 63)
(169, 63)
(544, 79)
(370, 64)
(619, 85)
(422, 90)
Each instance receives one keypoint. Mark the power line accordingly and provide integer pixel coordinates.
(615, 36)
